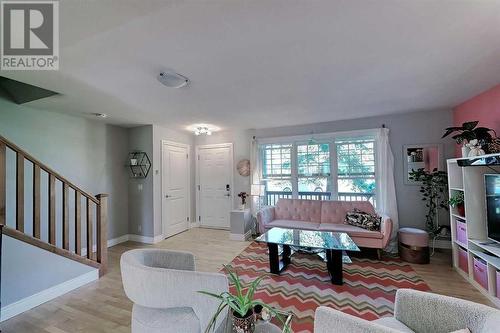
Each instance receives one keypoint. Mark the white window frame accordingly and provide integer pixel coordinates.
(330, 138)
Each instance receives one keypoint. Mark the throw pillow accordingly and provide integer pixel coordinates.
(363, 220)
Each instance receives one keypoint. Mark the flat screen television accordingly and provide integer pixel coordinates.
(492, 185)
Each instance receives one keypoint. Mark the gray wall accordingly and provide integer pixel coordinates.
(409, 128)
(20, 261)
(89, 153)
(145, 208)
(140, 190)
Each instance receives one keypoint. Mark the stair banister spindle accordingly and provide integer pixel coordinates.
(102, 233)
(20, 192)
(65, 208)
(90, 230)
(36, 201)
(3, 188)
(78, 222)
(52, 209)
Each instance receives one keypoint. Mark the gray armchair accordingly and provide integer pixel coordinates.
(415, 312)
(164, 288)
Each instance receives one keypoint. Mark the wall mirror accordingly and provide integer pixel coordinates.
(424, 156)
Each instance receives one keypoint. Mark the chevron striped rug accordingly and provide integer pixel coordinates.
(368, 291)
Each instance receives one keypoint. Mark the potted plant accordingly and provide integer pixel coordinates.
(241, 304)
(434, 188)
(243, 196)
(467, 132)
(457, 201)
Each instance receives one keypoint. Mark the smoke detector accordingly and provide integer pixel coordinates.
(172, 79)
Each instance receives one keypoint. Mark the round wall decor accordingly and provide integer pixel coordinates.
(243, 168)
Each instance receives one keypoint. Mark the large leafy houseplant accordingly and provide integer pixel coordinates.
(434, 191)
(469, 131)
(241, 303)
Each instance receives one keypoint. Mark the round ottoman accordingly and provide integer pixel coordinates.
(414, 245)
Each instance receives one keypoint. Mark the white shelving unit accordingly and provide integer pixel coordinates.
(470, 180)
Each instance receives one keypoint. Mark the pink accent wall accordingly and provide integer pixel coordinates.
(484, 107)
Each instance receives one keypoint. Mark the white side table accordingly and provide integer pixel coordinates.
(241, 225)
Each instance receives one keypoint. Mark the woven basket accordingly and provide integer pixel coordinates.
(494, 146)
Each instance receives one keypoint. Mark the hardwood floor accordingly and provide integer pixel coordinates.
(103, 307)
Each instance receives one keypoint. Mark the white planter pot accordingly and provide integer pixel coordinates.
(465, 151)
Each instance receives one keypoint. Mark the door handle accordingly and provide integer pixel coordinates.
(167, 196)
(228, 195)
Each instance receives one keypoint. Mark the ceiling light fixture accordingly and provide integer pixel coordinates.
(172, 79)
(100, 115)
(202, 130)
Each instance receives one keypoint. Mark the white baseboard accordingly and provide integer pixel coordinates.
(240, 237)
(145, 239)
(46, 295)
(111, 242)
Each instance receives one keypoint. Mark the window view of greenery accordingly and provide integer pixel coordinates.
(356, 169)
(354, 178)
(277, 171)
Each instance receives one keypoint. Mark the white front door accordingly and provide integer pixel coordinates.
(215, 185)
(175, 188)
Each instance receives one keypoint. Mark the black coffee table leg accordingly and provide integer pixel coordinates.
(334, 264)
(275, 264)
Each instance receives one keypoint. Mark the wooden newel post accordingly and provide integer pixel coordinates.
(102, 233)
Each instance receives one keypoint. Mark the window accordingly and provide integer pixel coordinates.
(337, 169)
(277, 171)
(356, 169)
(313, 161)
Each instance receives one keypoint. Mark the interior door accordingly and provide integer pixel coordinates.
(175, 189)
(215, 185)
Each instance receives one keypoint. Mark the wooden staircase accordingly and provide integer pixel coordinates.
(95, 224)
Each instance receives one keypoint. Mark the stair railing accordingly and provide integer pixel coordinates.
(93, 206)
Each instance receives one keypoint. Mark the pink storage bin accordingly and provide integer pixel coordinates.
(481, 273)
(461, 229)
(463, 260)
(498, 284)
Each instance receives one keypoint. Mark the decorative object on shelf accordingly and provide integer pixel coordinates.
(243, 167)
(240, 303)
(494, 146)
(457, 201)
(434, 190)
(474, 148)
(139, 164)
(243, 196)
(468, 132)
(426, 156)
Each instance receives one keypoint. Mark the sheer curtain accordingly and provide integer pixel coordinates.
(386, 196)
(255, 176)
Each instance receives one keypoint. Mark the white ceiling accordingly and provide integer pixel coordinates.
(256, 64)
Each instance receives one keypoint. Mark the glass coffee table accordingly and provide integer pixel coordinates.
(333, 245)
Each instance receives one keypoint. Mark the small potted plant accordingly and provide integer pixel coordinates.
(468, 132)
(241, 304)
(457, 201)
(243, 196)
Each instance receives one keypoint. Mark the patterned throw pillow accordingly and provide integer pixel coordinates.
(363, 220)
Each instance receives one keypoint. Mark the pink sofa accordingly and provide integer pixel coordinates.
(324, 216)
